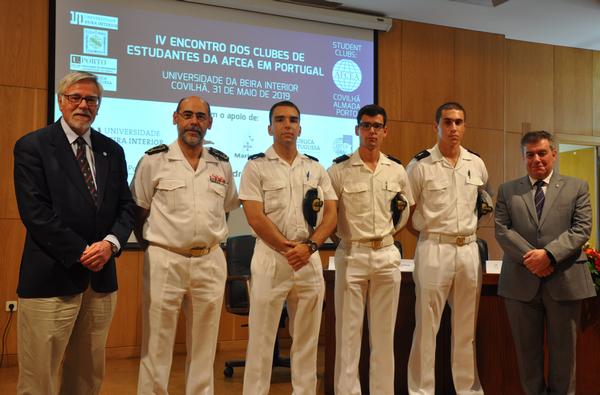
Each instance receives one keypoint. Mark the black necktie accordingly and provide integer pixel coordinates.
(84, 165)
(539, 197)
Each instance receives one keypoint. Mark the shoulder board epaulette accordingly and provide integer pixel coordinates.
(474, 153)
(422, 155)
(157, 149)
(390, 157)
(218, 154)
(311, 157)
(340, 159)
(256, 156)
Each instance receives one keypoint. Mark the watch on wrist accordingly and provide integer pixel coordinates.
(312, 246)
(113, 248)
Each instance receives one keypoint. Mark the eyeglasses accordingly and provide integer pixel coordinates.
(91, 101)
(368, 125)
(200, 116)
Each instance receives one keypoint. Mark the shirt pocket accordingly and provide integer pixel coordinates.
(274, 196)
(469, 195)
(356, 197)
(437, 192)
(172, 192)
(216, 197)
(391, 189)
(308, 185)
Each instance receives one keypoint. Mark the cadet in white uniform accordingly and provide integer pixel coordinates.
(183, 192)
(366, 260)
(284, 265)
(445, 181)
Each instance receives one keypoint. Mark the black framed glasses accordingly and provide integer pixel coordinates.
(91, 101)
(368, 125)
(200, 116)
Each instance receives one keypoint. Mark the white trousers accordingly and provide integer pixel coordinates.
(75, 327)
(363, 274)
(445, 272)
(273, 281)
(170, 282)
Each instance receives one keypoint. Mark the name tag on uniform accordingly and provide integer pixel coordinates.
(407, 265)
(493, 267)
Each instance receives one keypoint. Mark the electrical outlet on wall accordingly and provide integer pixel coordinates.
(11, 305)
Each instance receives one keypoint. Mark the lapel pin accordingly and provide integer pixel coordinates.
(105, 154)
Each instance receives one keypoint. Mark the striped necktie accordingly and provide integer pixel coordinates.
(539, 197)
(86, 170)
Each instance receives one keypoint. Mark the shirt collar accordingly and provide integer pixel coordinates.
(355, 159)
(271, 154)
(72, 136)
(175, 153)
(436, 154)
(546, 180)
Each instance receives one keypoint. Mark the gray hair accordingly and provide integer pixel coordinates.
(75, 77)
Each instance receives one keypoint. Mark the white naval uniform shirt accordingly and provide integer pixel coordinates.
(365, 196)
(187, 206)
(281, 188)
(446, 196)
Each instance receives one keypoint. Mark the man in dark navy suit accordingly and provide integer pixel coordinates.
(73, 198)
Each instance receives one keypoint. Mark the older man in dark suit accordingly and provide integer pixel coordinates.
(73, 198)
(542, 222)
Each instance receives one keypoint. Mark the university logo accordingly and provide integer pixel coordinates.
(95, 42)
(343, 145)
(346, 75)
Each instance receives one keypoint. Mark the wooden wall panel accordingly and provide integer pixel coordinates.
(487, 233)
(513, 164)
(529, 94)
(24, 48)
(126, 323)
(488, 144)
(479, 77)
(427, 70)
(406, 139)
(21, 110)
(596, 93)
(11, 247)
(389, 68)
(573, 91)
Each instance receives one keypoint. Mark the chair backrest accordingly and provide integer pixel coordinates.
(238, 251)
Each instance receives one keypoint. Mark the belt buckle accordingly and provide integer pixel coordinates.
(199, 251)
(376, 244)
(460, 240)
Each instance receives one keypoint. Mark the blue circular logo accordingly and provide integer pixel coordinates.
(346, 75)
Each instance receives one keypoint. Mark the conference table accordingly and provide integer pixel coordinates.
(496, 358)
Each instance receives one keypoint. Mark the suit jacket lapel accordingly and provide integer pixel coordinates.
(552, 191)
(525, 192)
(63, 152)
(101, 161)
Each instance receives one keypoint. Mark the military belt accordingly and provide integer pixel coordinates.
(375, 244)
(187, 252)
(459, 240)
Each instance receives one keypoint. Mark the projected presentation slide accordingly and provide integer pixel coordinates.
(150, 54)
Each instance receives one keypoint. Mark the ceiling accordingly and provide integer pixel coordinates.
(572, 23)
